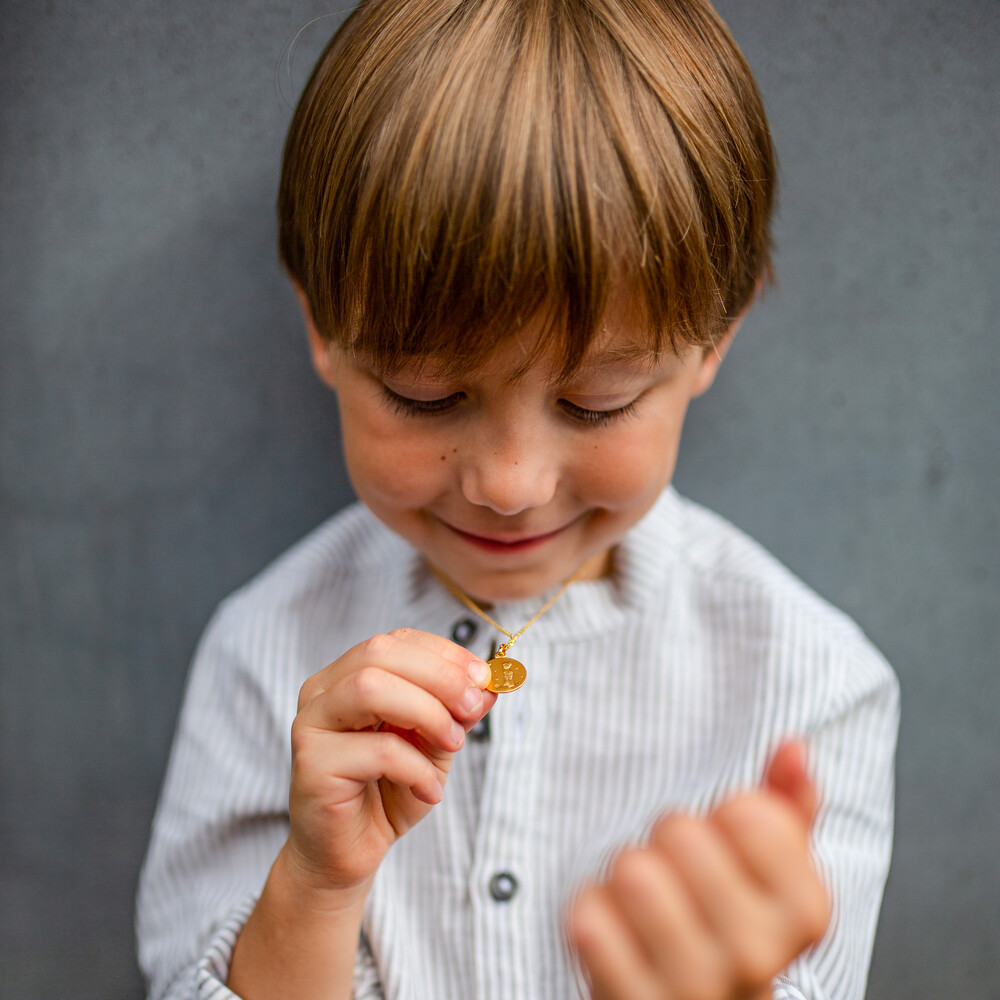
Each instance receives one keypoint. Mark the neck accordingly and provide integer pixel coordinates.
(597, 567)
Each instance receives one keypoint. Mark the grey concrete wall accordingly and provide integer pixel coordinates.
(161, 436)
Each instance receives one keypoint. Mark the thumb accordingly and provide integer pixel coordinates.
(786, 775)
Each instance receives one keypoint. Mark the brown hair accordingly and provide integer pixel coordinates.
(458, 168)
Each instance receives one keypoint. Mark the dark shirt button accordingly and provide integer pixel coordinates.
(464, 631)
(480, 732)
(503, 887)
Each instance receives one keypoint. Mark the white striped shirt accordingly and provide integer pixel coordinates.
(663, 687)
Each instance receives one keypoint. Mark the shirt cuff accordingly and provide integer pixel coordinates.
(213, 969)
(785, 989)
(367, 985)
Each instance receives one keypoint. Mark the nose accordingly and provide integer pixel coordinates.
(510, 473)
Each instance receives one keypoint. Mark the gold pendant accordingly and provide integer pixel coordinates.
(508, 674)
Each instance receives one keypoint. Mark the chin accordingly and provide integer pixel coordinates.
(495, 588)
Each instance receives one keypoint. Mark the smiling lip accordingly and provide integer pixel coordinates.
(496, 543)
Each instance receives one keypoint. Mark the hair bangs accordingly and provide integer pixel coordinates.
(495, 170)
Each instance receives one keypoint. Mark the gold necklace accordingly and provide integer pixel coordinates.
(508, 674)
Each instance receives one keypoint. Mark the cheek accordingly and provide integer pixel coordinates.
(390, 464)
(634, 466)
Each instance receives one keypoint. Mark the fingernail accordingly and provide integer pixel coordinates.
(457, 733)
(471, 700)
(479, 673)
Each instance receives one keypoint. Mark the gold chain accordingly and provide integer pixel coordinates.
(512, 637)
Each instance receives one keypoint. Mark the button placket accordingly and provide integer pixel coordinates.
(505, 853)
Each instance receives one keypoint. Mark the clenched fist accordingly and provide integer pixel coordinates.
(712, 908)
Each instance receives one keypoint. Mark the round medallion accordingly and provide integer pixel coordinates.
(508, 675)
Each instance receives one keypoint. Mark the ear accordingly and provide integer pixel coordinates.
(711, 359)
(320, 349)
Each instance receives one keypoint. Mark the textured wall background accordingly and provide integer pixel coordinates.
(161, 436)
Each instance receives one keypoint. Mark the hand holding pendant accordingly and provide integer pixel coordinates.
(372, 744)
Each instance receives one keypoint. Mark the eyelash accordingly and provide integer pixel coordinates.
(598, 418)
(437, 407)
(421, 407)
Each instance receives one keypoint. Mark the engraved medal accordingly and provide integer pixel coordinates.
(508, 674)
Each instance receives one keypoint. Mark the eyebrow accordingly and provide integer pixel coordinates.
(619, 356)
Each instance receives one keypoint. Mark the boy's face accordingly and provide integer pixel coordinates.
(511, 487)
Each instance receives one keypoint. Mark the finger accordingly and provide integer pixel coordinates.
(372, 696)
(612, 958)
(437, 644)
(490, 698)
(745, 920)
(477, 669)
(787, 775)
(768, 835)
(452, 674)
(363, 758)
(668, 923)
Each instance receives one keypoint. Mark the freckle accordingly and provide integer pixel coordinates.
(454, 451)
(444, 458)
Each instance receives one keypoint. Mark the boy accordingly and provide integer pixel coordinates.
(523, 234)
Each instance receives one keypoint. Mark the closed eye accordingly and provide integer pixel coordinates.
(408, 406)
(598, 418)
(421, 407)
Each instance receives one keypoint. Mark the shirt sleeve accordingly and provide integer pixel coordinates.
(784, 989)
(222, 815)
(852, 755)
(212, 969)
